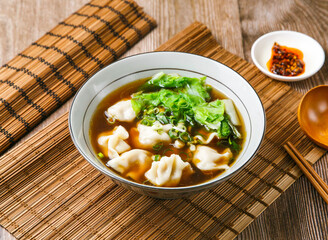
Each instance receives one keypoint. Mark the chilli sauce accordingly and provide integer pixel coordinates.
(286, 61)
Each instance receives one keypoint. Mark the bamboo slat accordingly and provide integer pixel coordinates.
(47, 190)
(49, 72)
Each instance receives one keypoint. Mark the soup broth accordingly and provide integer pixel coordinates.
(100, 125)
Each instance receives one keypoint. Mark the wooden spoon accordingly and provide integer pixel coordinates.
(313, 115)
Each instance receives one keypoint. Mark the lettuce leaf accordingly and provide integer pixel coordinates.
(209, 114)
(162, 80)
(141, 101)
(193, 100)
(196, 87)
(170, 98)
(184, 99)
(192, 86)
(225, 130)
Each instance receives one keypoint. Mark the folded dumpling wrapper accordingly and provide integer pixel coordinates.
(121, 111)
(115, 142)
(152, 135)
(168, 171)
(208, 159)
(208, 139)
(133, 164)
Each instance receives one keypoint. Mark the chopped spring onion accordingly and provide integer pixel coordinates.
(185, 137)
(184, 156)
(111, 120)
(168, 150)
(148, 120)
(146, 181)
(162, 118)
(192, 148)
(173, 134)
(101, 155)
(158, 146)
(181, 127)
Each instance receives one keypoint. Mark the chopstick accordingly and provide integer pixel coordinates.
(308, 171)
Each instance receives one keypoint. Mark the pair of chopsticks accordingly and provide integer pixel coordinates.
(308, 171)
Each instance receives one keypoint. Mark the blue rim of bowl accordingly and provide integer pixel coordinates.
(284, 78)
(206, 184)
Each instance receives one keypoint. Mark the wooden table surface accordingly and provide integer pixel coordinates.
(299, 213)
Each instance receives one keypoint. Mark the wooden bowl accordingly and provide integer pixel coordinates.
(313, 115)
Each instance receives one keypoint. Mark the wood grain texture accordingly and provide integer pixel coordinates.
(299, 213)
(71, 53)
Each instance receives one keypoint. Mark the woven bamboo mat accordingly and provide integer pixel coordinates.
(48, 73)
(49, 191)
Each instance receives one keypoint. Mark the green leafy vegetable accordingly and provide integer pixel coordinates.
(236, 133)
(176, 93)
(230, 143)
(183, 101)
(234, 145)
(140, 101)
(196, 87)
(210, 114)
(167, 80)
(156, 157)
(225, 130)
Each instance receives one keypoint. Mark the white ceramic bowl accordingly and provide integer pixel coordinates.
(145, 65)
(313, 53)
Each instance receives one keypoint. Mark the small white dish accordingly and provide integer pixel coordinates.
(313, 53)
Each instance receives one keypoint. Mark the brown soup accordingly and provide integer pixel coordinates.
(100, 125)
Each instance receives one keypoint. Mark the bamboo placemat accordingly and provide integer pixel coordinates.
(48, 73)
(49, 191)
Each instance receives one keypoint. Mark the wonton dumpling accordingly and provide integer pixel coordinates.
(208, 159)
(168, 171)
(122, 111)
(115, 143)
(151, 135)
(133, 163)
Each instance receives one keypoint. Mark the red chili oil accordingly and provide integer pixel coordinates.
(286, 61)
